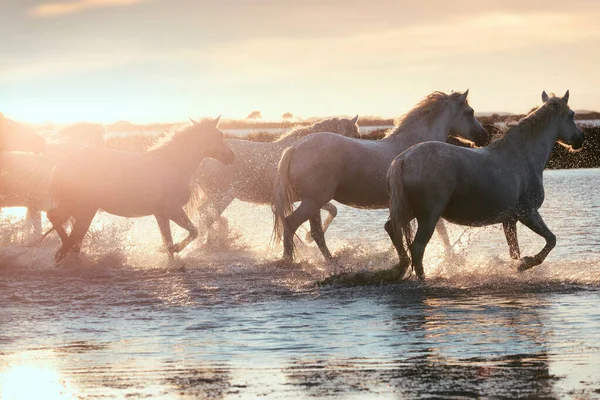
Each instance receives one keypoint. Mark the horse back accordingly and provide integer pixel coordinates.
(351, 171)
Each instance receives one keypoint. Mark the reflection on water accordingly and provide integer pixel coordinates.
(33, 375)
(232, 323)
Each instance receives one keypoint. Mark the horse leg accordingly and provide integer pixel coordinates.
(535, 222)
(443, 233)
(292, 222)
(181, 219)
(83, 220)
(425, 229)
(164, 225)
(318, 234)
(332, 210)
(404, 262)
(58, 217)
(510, 232)
(211, 210)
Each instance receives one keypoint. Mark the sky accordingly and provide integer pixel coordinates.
(166, 60)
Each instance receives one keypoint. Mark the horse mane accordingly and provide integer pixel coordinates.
(428, 109)
(531, 124)
(326, 125)
(174, 138)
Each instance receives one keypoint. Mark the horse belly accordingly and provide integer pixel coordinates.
(477, 213)
(368, 198)
(121, 197)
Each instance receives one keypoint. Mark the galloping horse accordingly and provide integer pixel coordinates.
(501, 183)
(322, 167)
(251, 177)
(133, 184)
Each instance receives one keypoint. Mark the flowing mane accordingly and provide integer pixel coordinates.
(427, 109)
(530, 125)
(176, 138)
(328, 125)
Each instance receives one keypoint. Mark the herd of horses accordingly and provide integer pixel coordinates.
(412, 171)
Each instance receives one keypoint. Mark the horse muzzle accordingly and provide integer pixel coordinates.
(577, 143)
(483, 137)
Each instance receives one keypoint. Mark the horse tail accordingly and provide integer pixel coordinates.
(41, 238)
(197, 197)
(400, 210)
(282, 204)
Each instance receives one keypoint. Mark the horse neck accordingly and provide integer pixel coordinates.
(420, 131)
(185, 159)
(538, 147)
(533, 149)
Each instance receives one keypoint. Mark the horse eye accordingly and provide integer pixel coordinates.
(572, 113)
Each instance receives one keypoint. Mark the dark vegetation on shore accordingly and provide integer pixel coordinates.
(143, 137)
(562, 158)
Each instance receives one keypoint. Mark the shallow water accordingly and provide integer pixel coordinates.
(230, 322)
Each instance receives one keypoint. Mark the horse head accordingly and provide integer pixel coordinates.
(212, 140)
(569, 134)
(349, 127)
(464, 124)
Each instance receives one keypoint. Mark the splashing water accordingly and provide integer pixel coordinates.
(229, 320)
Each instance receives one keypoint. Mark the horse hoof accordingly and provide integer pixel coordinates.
(284, 262)
(403, 268)
(60, 256)
(176, 248)
(527, 263)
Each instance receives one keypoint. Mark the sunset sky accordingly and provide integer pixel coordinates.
(165, 60)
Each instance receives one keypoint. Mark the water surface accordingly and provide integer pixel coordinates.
(230, 322)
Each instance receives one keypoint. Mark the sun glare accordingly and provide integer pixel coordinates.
(27, 382)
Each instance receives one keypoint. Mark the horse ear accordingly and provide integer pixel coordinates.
(193, 122)
(463, 97)
(216, 121)
(355, 119)
(566, 97)
(545, 96)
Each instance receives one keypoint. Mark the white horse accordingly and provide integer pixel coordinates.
(251, 177)
(501, 183)
(322, 167)
(133, 184)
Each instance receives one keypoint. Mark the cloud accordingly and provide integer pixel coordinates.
(401, 47)
(57, 8)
